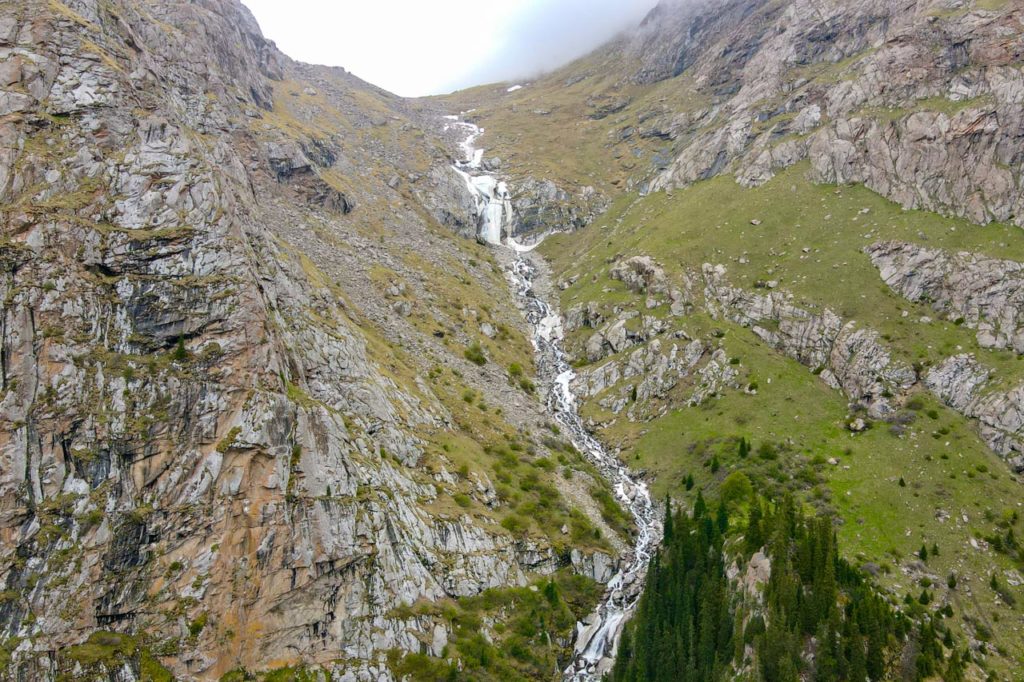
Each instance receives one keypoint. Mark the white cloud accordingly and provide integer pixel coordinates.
(419, 47)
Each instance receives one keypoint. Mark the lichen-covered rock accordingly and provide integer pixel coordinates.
(215, 434)
(984, 293)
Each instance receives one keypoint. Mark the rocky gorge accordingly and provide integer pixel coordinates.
(212, 438)
(285, 388)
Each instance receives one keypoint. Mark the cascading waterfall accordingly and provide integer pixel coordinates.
(596, 639)
(492, 198)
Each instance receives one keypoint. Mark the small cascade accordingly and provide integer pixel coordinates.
(493, 199)
(597, 638)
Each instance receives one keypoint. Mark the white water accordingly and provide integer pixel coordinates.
(597, 639)
(492, 198)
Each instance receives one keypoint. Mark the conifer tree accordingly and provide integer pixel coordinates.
(700, 507)
(668, 522)
(955, 668)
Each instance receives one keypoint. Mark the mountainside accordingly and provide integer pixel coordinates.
(812, 243)
(239, 421)
(277, 400)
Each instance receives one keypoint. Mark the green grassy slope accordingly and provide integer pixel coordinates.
(955, 492)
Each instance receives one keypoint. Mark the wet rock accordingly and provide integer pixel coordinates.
(541, 203)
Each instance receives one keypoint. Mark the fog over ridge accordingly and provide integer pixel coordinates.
(553, 33)
(423, 47)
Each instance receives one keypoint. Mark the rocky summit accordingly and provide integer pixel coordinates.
(302, 380)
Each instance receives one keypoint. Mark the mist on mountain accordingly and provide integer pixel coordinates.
(552, 33)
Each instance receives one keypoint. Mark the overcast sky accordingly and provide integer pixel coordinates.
(424, 47)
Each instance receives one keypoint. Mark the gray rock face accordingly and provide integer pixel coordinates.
(540, 205)
(845, 356)
(986, 293)
(621, 334)
(924, 107)
(446, 196)
(203, 410)
(961, 383)
(580, 316)
(950, 164)
(641, 274)
(658, 371)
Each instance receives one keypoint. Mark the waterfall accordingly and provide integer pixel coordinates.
(493, 201)
(597, 639)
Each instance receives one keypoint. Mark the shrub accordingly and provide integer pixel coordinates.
(180, 352)
(197, 626)
(736, 488)
(515, 524)
(475, 354)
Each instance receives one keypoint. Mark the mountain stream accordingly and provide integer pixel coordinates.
(597, 638)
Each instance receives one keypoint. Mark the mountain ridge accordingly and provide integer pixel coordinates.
(268, 406)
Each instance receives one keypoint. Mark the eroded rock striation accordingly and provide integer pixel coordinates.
(215, 430)
(984, 293)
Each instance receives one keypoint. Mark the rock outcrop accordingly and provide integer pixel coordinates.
(540, 205)
(844, 356)
(984, 293)
(215, 431)
(962, 383)
(923, 104)
(641, 275)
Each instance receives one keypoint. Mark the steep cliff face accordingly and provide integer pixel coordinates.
(260, 405)
(922, 102)
(234, 419)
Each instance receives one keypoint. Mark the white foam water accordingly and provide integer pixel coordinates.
(596, 639)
